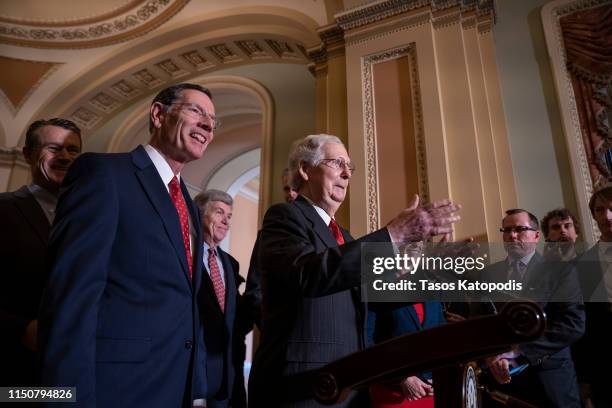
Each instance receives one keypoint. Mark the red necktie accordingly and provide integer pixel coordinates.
(333, 226)
(179, 202)
(215, 276)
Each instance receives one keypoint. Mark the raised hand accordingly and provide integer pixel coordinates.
(417, 223)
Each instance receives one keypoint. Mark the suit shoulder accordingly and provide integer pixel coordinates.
(6, 197)
(281, 211)
(232, 260)
(99, 163)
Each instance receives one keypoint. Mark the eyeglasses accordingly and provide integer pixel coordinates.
(195, 112)
(339, 163)
(519, 230)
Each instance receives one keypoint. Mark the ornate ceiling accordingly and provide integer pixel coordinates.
(69, 24)
(91, 60)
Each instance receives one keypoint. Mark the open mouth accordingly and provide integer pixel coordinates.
(199, 137)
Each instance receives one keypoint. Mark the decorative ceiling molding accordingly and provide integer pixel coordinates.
(383, 9)
(97, 107)
(127, 6)
(117, 27)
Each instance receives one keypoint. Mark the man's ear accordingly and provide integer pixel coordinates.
(302, 170)
(158, 114)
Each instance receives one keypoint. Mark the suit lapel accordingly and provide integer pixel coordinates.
(535, 260)
(414, 317)
(158, 195)
(317, 222)
(33, 213)
(230, 288)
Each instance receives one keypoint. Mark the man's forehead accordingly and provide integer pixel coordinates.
(220, 204)
(57, 134)
(602, 202)
(335, 149)
(559, 221)
(516, 219)
(194, 96)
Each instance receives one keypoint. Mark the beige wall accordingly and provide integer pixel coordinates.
(537, 144)
(243, 231)
(398, 173)
(457, 138)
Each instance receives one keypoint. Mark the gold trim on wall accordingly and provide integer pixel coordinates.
(583, 185)
(372, 184)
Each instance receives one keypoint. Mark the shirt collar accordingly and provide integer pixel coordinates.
(161, 165)
(325, 216)
(46, 200)
(206, 247)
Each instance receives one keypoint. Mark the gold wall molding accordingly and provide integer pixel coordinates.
(381, 10)
(583, 186)
(119, 92)
(438, 17)
(128, 22)
(372, 159)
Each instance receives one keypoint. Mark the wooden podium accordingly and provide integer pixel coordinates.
(448, 351)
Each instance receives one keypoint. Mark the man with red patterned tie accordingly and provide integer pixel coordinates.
(311, 273)
(119, 320)
(218, 297)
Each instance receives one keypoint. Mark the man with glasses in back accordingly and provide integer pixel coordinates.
(26, 216)
(119, 320)
(545, 373)
(311, 273)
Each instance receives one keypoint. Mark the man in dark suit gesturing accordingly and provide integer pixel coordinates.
(311, 272)
(119, 319)
(26, 216)
(218, 296)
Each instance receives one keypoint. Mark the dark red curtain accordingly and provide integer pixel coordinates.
(588, 47)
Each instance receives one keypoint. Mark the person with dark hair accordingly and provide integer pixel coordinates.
(288, 190)
(595, 274)
(218, 299)
(119, 320)
(26, 216)
(545, 374)
(560, 229)
(560, 225)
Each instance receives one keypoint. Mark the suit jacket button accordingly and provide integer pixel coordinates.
(188, 344)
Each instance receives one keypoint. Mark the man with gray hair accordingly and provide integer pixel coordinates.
(311, 273)
(218, 296)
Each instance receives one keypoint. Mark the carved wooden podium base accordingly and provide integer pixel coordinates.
(448, 351)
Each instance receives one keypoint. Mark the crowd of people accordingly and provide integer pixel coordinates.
(114, 281)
